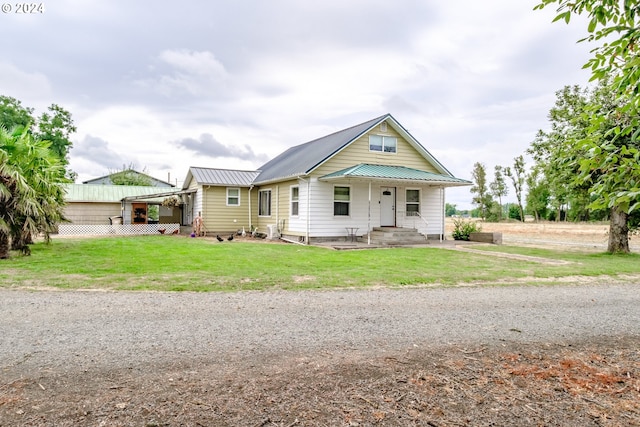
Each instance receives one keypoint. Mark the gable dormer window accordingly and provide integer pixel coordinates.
(382, 143)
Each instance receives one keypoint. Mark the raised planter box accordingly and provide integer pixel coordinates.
(495, 238)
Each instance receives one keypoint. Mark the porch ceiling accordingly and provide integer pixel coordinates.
(385, 173)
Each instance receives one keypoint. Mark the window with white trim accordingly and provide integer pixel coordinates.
(233, 197)
(382, 143)
(341, 200)
(412, 207)
(264, 203)
(295, 201)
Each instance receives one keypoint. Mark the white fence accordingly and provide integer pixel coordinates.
(117, 229)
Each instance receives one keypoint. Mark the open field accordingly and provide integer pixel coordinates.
(575, 236)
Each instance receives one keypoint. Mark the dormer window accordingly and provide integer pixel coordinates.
(385, 144)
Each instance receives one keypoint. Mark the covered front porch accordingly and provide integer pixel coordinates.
(396, 205)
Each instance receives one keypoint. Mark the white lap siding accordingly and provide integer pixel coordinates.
(297, 225)
(323, 223)
(431, 210)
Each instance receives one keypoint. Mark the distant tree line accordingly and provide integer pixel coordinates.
(587, 166)
(581, 167)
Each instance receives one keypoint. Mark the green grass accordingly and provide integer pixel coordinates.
(169, 263)
(583, 263)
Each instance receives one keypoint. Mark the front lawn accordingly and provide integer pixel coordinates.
(177, 263)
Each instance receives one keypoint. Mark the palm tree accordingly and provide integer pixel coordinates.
(31, 195)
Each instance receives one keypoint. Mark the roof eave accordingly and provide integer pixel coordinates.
(223, 184)
(280, 179)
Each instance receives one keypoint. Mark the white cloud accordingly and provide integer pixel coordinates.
(33, 89)
(208, 146)
(198, 74)
(194, 63)
(97, 151)
(472, 81)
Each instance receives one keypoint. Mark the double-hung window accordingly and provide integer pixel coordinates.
(412, 207)
(295, 200)
(386, 144)
(341, 200)
(264, 203)
(233, 197)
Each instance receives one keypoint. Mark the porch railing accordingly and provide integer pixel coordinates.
(417, 214)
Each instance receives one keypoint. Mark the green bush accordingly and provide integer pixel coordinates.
(514, 212)
(462, 229)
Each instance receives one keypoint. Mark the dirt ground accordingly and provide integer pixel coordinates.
(583, 384)
(592, 383)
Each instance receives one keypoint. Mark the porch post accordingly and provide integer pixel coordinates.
(308, 209)
(442, 214)
(369, 218)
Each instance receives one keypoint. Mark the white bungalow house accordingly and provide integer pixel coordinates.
(371, 178)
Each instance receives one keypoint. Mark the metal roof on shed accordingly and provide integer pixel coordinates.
(227, 177)
(105, 193)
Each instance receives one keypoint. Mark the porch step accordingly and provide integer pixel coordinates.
(390, 236)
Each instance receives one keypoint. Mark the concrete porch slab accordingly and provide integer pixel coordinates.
(348, 245)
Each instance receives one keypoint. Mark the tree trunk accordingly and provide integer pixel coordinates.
(4, 245)
(618, 231)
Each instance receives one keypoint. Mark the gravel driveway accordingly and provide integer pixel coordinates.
(529, 356)
(81, 330)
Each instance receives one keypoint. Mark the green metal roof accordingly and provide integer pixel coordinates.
(393, 173)
(106, 193)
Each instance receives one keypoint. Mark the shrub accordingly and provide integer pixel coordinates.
(462, 229)
(514, 212)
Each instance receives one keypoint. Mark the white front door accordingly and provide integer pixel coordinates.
(388, 207)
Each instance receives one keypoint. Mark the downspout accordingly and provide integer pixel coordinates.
(308, 181)
(203, 203)
(277, 207)
(442, 213)
(249, 195)
(369, 218)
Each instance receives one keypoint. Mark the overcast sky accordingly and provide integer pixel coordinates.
(231, 84)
